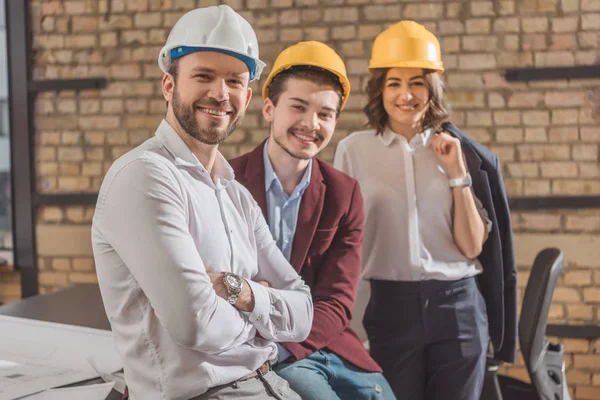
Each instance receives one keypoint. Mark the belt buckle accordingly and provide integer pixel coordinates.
(266, 367)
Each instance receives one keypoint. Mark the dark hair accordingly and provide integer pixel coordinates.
(174, 68)
(378, 117)
(319, 76)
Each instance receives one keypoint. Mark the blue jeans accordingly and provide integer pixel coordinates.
(325, 376)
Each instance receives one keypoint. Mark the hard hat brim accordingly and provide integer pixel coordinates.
(164, 58)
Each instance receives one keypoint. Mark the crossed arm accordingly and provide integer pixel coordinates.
(143, 216)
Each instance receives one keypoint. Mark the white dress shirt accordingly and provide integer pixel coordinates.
(408, 208)
(161, 223)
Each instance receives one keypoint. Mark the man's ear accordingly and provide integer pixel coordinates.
(248, 96)
(168, 86)
(267, 110)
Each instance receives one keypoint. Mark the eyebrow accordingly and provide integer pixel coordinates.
(213, 71)
(299, 100)
(393, 78)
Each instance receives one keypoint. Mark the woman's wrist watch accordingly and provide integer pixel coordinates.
(233, 283)
(461, 182)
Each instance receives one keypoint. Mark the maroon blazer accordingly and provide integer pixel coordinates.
(326, 252)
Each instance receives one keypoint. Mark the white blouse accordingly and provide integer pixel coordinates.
(408, 208)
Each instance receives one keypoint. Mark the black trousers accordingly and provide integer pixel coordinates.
(430, 337)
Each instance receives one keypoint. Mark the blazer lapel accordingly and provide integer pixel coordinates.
(254, 178)
(309, 215)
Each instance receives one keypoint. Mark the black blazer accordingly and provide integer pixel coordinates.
(498, 282)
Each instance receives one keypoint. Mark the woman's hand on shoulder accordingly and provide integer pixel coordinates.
(449, 154)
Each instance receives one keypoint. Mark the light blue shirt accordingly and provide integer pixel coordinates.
(283, 215)
(283, 209)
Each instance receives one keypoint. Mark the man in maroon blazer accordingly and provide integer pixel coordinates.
(315, 214)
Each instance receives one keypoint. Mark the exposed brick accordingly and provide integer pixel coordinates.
(477, 61)
(523, 170)
(423, 11)
(575, 187)
(52, 278)
(482, 8)
(453, 9)
(554, 58)
(559, 169)
(566, 295)
(535, 24)
(536, 135)
(503, 25)
(537, 187)
(480, 43)
(592, 295)
(467, 100)
(83, 264)
(507, 118)
(451, 27)
(589, 170)
(590, 21)
(341, 14)
(525, 100)
(382, 12)
(586, 361)
(578, 278)
(509, 135)
(84, 24)
(585, 152)
(534, 41)
(79, 277)
(564, 134)
(61, 264)
(536, 118)
(565, 117)
(588, 392)
(81, 41)
(580, 311)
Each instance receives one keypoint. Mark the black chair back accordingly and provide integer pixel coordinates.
(544, 360)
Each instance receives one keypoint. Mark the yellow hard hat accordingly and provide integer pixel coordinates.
(311, 53)
(406, 44)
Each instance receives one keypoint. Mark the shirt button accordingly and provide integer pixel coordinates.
(378, 388)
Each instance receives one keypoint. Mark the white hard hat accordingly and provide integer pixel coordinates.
(216, 28)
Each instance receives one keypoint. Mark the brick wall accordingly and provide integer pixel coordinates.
(546, 133)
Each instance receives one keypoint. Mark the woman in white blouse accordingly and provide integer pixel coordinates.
(426, 320)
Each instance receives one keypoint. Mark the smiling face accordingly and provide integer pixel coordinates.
(209, 95)
(304, 118)
(405, 98)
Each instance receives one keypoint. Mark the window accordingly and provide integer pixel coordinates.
(6, 242)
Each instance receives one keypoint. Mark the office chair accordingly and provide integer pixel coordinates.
(544, 360)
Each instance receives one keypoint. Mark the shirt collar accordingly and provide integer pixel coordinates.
(271, 176)
(388, 137)
(183, 156)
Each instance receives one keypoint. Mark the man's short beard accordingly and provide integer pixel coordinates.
(280, 144)
(186, 117)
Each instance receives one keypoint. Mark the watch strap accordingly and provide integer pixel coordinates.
(461, 182)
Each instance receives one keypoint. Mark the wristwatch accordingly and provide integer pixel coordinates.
(233, 283)
(461, 182)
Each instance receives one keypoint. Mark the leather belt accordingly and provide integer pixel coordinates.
(263, 369)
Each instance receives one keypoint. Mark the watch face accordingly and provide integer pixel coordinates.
(234, 282)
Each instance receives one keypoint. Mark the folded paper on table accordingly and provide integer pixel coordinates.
(38, 355)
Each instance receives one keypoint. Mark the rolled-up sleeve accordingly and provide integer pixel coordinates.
(141, 214)
(284, 311)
